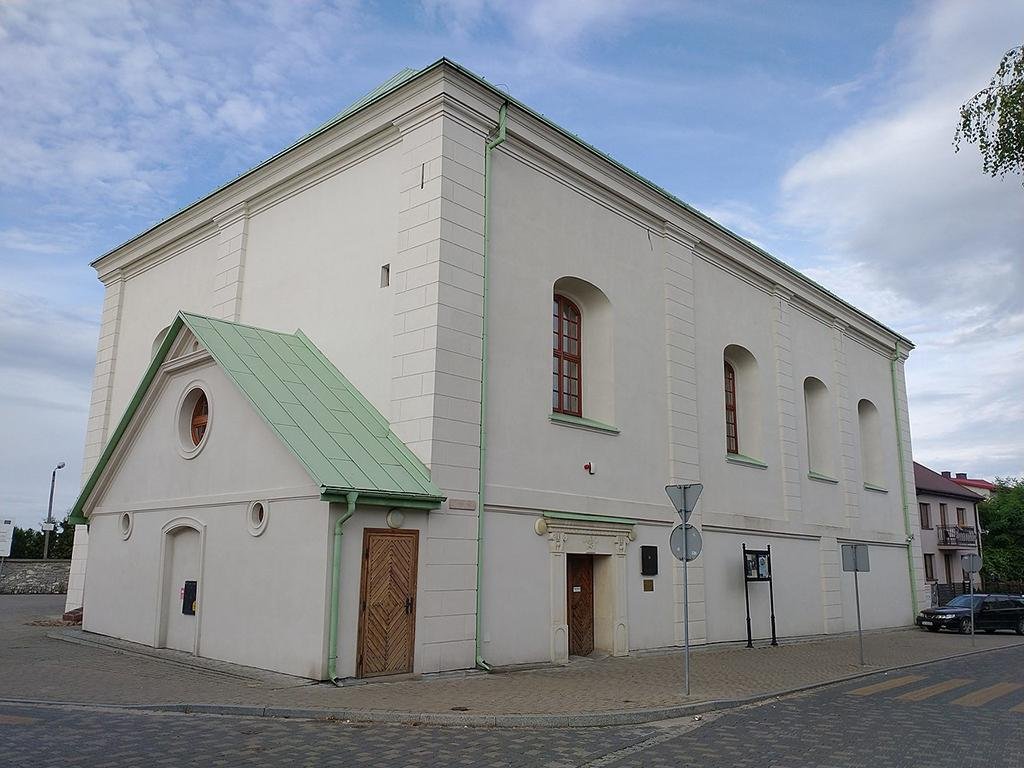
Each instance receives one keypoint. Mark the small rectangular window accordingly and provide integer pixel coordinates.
(926, 515)
(943, 518)
(961, 517)
(385, 276)
(929, 567)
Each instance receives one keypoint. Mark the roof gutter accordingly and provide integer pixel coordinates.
(492, 143)
(903, 479)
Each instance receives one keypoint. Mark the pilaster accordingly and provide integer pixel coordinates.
(909, 490)
(849, 459)
(437, 279)
(683, 448)
(831, 585)
(232, 237)
(787, 404)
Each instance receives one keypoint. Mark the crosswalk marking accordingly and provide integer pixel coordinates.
(985, 695)
(886, 685)
(1018, 708)
(934, 690)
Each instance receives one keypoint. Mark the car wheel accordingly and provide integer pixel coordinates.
(1020, 627)
(965, 626)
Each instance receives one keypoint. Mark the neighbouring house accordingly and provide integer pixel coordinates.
(983, 488)
(509, 345)
(948, 517)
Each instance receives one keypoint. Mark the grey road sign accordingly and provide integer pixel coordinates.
(855, 558)
(684, 498)
(693, 543)
(971, 563)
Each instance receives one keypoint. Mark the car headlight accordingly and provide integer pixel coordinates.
(946, 616)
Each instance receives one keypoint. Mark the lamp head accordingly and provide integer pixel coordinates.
(61, 465)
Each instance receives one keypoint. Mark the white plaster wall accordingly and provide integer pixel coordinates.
(652, 614)
(735, 489)
(517, 593)
(313, 262)
(263, 599)
(884, 591)
(545, 231)
(798, 594)
(151, 299)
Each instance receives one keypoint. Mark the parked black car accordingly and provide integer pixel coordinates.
(991, 612)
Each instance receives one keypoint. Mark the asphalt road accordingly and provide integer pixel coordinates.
(963, 713)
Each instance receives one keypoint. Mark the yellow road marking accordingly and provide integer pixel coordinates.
(16, 720)
(886, 685)
(934, 690)
(1018, 708)
(985, 695)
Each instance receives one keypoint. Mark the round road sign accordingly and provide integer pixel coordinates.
(694, 542)
(971, 563)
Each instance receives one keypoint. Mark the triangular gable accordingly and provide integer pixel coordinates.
(343, 442)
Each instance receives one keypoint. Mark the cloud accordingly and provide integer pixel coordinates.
(920, 238)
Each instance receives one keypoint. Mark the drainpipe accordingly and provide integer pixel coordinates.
(903, 479)
(494, 141)
(332, 629)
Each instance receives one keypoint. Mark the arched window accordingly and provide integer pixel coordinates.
(567, 357)
(732, 438)
(200, 418)
(871, 460)
(159, 340)
(742, 403)
(819, 421)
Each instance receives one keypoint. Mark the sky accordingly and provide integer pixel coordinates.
(820, 131)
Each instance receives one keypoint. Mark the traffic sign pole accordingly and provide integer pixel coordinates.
(686, 619)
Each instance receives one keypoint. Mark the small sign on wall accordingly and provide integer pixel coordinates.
(6, 537)
(648, 585)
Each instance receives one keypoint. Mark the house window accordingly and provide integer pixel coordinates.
(926, 515)
(961, 517)
(943, 516)
(732, 438)
(200, 418)
(929, 567)
(566, 364)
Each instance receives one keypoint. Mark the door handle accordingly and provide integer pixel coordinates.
(408, 605)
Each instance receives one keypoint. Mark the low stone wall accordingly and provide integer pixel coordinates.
(34, 577)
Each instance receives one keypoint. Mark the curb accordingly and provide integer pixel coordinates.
(580, 720)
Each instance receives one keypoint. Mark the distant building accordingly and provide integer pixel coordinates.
(948, 514)
(981, 487)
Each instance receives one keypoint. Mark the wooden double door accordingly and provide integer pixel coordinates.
(387, 602)
(580, 603)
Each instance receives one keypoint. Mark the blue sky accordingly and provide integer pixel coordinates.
(821, 131)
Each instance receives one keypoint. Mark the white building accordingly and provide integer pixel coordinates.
(428, 241)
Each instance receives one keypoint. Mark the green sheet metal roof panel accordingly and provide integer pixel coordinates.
(341, 439)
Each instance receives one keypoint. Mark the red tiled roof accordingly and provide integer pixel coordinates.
(971, 482)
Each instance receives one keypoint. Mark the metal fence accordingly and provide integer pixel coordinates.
(943, 593)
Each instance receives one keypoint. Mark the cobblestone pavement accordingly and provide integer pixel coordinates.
(964, 713)
(34, 666)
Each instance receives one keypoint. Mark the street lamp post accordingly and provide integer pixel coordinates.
(49, 512)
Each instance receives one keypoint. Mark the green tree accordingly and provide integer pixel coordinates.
(994, 118)
(28, 542)
(1002, 519)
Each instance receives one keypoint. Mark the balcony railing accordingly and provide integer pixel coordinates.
(958, 536)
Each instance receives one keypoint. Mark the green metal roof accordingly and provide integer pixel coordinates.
(336, 434)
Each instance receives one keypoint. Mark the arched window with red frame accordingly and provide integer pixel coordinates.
(567, 357)
(732, 436)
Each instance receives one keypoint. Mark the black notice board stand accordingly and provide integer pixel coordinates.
(757, 566)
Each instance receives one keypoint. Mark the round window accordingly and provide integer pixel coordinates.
(257, 518)
(124, 523)
(194, 415)
(200, 418)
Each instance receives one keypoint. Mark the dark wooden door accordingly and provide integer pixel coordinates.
(580, 588)
(387, 602)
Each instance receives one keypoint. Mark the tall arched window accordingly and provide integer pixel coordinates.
(732, 437)
(872, 462)
(567, 357)
(819, 423)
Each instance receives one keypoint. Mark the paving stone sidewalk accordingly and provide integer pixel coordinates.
(35, 665)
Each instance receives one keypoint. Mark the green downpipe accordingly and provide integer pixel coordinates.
(903, 479)
(332, 630)
(494, 141)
